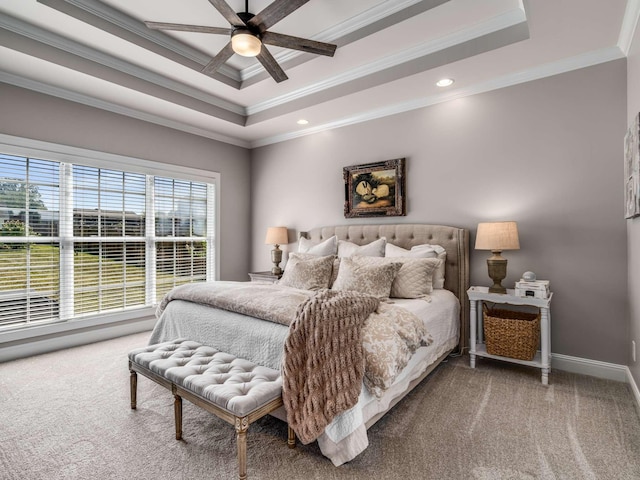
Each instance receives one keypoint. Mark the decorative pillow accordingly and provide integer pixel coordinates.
(392, 334)
(422, 251)
(334, 269)
(307, 272)
(373, 249)
(414, 279)
(322, 249)
(370, 275)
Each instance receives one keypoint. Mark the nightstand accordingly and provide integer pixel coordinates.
(542, 359)
(263, 277)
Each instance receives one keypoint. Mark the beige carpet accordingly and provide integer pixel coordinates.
(65, 415)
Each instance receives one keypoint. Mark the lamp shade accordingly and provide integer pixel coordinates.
(277, 236)
(497, 236)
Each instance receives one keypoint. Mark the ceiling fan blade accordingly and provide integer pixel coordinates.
(270, 65)
(217, 61)
(273, 13)
(227, 12)
(297, 43)
(187, 28)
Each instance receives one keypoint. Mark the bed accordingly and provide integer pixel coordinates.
(444, 315)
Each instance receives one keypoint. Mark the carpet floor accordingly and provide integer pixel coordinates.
(66, 415)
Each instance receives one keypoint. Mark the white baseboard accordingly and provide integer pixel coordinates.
(634, 388)
(83, 336)
(595, 368)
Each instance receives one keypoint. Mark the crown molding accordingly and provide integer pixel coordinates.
(65, 94)
(115, 17)
(497, 23)
(360, 21)
(100, 11)
(629, 25)
(54, 40)
(550, 69)
(126, 22)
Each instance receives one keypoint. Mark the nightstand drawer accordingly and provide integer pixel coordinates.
(263, 277)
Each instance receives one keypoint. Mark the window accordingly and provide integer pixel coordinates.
(78, 239)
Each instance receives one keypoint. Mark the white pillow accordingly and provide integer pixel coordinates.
(422, 251)
(370, 275)
(373, 249)
(322, 249)
(415, 277)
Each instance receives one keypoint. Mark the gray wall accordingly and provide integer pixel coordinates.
(546, 154)
(41, 117)
(633, 226)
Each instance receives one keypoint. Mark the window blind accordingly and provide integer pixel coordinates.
(180, 228)
(29, 247)
(78, 240)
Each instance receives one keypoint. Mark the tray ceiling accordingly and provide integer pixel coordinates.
(390, 55)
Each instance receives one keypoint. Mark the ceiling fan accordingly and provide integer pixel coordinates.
(250, 33)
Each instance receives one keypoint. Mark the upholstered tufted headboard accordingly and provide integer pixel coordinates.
(454, 240)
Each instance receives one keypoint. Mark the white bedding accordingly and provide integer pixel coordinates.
(346, 437)
(262, 342)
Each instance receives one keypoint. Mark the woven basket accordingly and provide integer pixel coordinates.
(511, 334)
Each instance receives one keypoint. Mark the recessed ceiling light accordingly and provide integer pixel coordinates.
(445, 82)
(302, 121)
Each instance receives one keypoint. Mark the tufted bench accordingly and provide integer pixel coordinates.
(235, 390)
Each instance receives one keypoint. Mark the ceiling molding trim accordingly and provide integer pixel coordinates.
(360, 21)
(130, 24)
(363, 19)
(554, 68)
(116, 17)
(497, 23)
(66, 45)
(629, 26)
(65, 94)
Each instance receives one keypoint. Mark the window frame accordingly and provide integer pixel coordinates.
(24, 147)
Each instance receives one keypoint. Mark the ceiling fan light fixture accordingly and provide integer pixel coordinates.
(245, 43)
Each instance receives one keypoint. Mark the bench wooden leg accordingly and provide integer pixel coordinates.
(133, 380)
(177, 410)
(291, 441)
(242, 425)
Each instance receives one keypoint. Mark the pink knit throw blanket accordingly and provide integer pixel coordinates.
(323, 363)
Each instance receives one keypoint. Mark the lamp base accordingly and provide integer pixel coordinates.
(276, 258)
(497, 288)
(497, 266)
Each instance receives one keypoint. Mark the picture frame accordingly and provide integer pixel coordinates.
(632, 169)
(375, 189)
